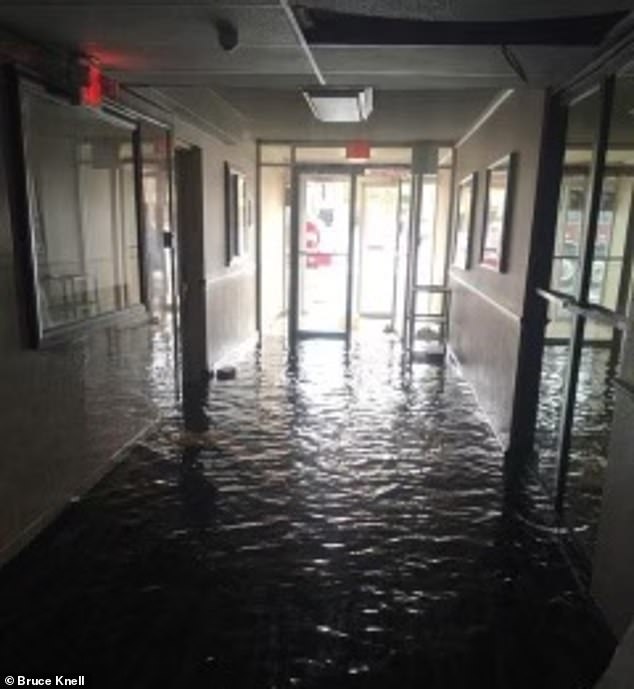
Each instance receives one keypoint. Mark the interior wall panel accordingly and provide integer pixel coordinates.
(487, 305)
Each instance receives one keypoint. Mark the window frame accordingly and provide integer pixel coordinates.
(577, 303)
(507, 163)
(236, 232)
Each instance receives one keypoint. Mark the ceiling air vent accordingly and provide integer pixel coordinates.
(339, 104)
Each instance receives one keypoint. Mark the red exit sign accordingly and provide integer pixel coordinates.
(96, 87)
(358, 150)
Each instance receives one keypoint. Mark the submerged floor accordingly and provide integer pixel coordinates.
(339, 523)
(592, 421)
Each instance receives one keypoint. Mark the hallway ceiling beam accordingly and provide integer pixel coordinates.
(292, 20)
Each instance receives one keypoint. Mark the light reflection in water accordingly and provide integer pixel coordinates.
(594, 409)
(340, 523)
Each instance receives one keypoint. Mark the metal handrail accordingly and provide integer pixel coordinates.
(594, 311)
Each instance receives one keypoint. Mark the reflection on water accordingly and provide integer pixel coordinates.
(590, 435)
(551, 394)
(339, 523)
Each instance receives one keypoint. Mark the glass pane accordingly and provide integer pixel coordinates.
(156, 204)
(402, 258)
(324, 227)
(496, 205)
(391, 156)
(275, 217)
(464, 222)
(583, 121)
(378, 228)
(559, 326)
(610, 274)
(592, 421)
(320, 154)
(445, 157)
(444, 180)
(551, 392)
(83, 210)
(427, 273)
(241, 226)
(385, 155)
(131, 255)
(275, 154)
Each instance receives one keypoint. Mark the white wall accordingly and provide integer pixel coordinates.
(230, 290)
(68, 409)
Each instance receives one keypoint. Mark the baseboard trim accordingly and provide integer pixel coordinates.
(455, 362)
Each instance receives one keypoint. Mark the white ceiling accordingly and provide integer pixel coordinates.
(399, 116)
(173, 45)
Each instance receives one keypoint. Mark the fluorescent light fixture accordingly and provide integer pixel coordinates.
(339, 104)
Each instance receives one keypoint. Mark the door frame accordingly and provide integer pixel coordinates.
(352, 171)
(577, 304)
(189, 187)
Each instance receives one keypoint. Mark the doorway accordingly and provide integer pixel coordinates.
(347, 248)
(321, 252)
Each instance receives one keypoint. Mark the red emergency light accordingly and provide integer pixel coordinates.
(91, 93)
(97, 87)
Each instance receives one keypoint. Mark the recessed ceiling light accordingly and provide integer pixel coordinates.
(340, 104)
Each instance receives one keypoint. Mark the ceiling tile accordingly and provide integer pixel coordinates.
(433, 61)
(125, 27)
(397, 116)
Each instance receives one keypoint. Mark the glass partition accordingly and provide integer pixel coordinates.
(275, 154)
(589, 295)
(552, 390)
(324, 243)
(381, 155)
(155, 172)
(583, 122)
(378, 198)
(611, 270)
(592, 421)
(321, 154)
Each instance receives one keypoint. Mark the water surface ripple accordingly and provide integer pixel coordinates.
(341, 522)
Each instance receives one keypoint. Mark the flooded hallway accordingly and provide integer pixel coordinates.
(342, 522)
(316, 352)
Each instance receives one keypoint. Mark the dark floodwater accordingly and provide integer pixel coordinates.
(594, 410)
(339, 523)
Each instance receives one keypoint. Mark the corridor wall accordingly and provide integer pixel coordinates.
(230, 289)
(486, 311)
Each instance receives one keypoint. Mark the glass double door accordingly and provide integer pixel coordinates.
(588, 301)
(345, 229)
(321, 258)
